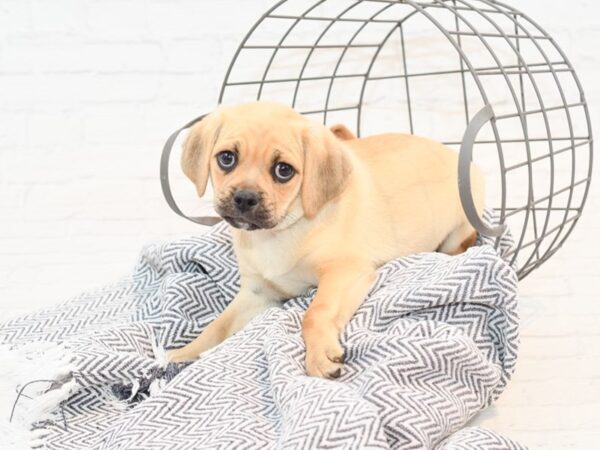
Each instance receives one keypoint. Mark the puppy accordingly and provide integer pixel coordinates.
(309, 206)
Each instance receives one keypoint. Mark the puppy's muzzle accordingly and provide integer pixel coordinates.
(245, 209)
(245, 200)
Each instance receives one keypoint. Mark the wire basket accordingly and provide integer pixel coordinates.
(476, 75)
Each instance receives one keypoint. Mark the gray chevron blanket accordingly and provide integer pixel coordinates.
(433, 344)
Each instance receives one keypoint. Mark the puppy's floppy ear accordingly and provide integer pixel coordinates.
(326, 169)
(197, 148)
(342, 132)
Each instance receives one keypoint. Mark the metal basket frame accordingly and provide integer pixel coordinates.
(519, 30)
(487, 10)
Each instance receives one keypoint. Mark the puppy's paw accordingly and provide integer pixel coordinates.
(325, 359)
(180, 355)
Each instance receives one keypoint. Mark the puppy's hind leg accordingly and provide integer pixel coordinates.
(459, 240)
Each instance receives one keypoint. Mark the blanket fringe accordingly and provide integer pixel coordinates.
(160, 355)
(34, 380)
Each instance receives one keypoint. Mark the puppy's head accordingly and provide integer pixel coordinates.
(268, 165)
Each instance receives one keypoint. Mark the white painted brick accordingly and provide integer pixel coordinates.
(54, 131)
(47, 18)
(17, 89)
(27, 229)
(124, 57)
(161, 121)
(121, 87)
(60, 194)
(117, 20)
(13, 59)
(33, 89)
(198, 55)
(13, 130)
(62, 54)
(133, 165)
(27, 169)
(110, 125)
(191, 19)
(15, 17)
(192, 90)
(13, 196)
(86, 227)
(557, 15)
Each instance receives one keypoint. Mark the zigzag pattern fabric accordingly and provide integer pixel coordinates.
(433, 344)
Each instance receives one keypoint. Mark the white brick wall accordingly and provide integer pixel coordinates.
(90, 89)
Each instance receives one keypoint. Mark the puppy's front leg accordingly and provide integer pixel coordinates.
(343, 287)
(252, 300)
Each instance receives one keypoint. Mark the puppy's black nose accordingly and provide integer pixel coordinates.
(245, 200)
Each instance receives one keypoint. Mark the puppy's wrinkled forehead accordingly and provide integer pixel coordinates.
(256, 134)
(260, 131)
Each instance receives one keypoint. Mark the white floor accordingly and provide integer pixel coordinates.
(553, 401)
(79, 196)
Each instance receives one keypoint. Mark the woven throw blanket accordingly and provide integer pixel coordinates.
(433, 344)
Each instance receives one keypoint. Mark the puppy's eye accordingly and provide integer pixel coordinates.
(226, 160)
(283, 172)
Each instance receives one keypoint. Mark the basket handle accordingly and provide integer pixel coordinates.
(464, 173)
(164, 178)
